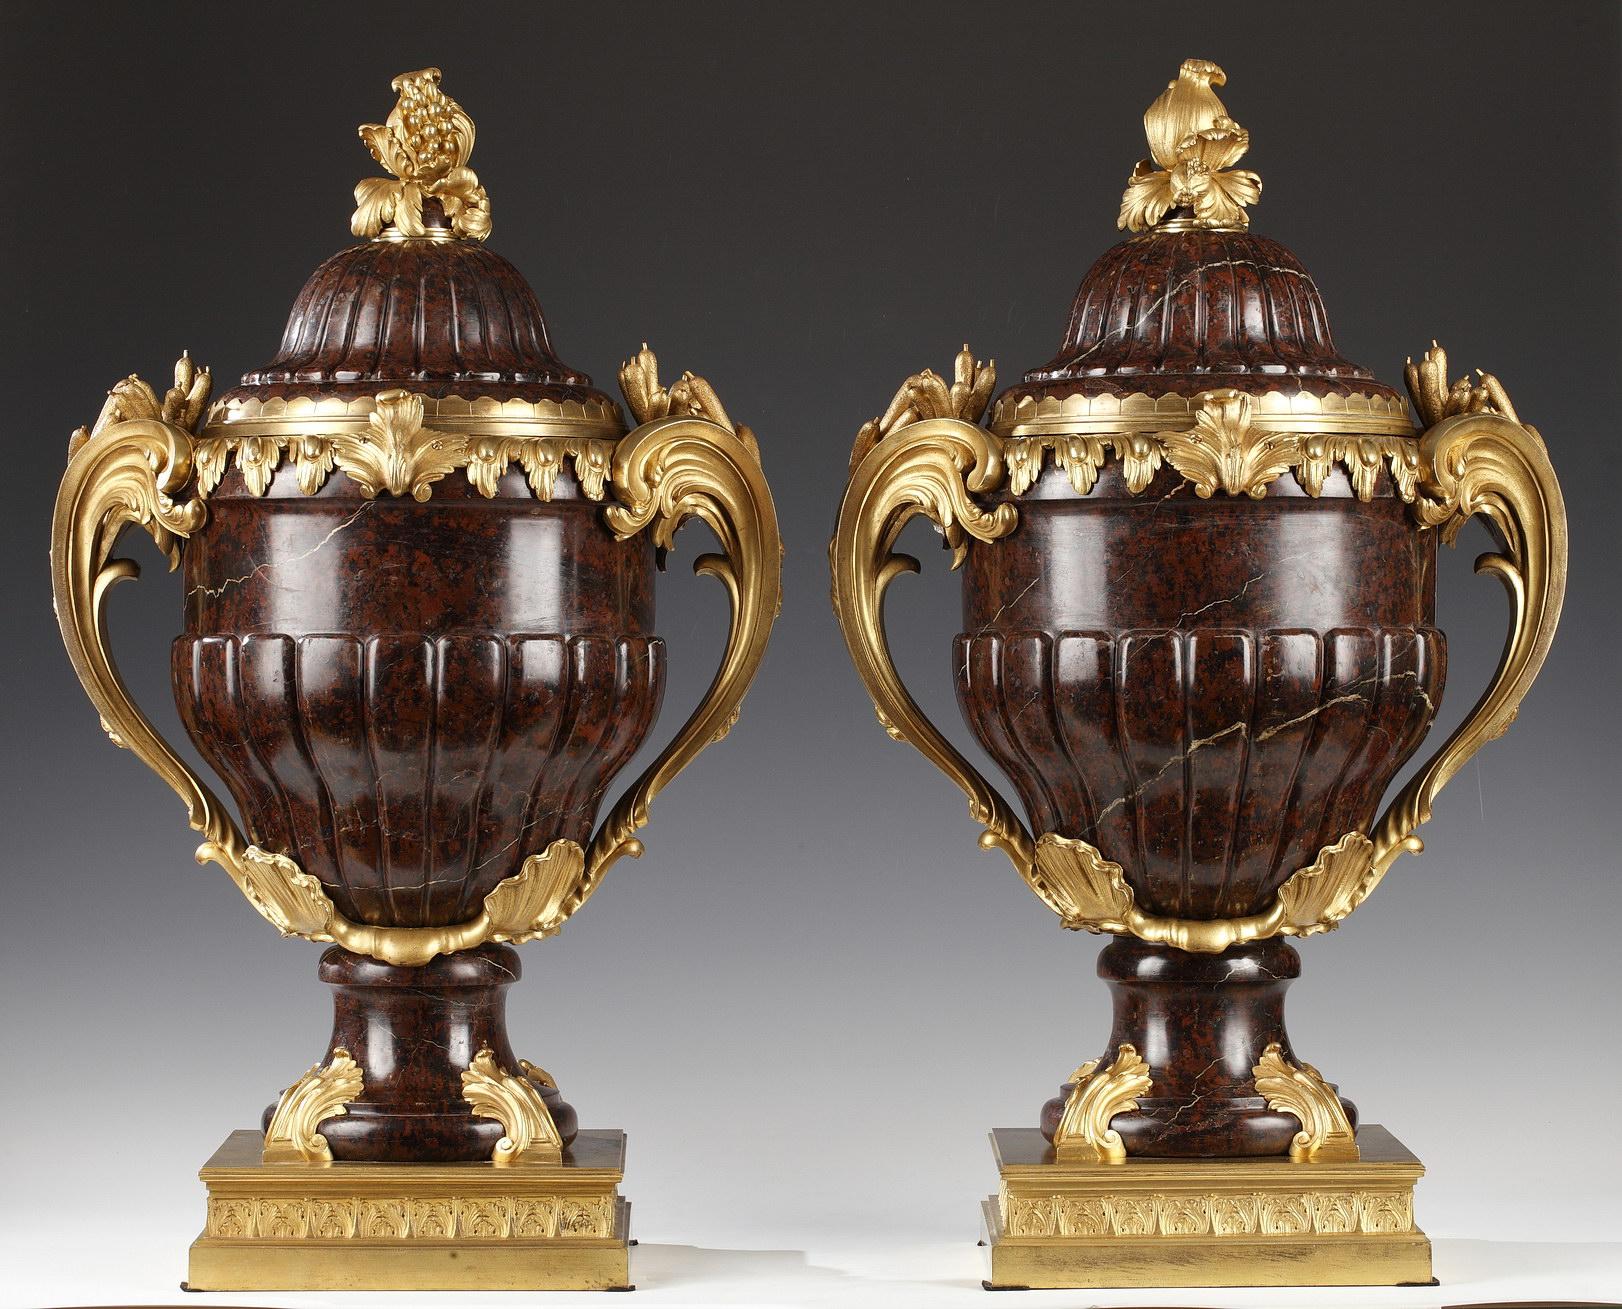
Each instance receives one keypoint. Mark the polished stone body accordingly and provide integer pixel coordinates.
(1208, 690)
(409, 698)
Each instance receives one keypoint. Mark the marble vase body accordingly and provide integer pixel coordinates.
(410, 697)
(1207, 689)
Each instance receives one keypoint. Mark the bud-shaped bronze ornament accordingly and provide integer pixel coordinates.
(419, 644)
(1198, 551)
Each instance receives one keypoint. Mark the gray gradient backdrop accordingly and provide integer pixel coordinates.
(813, 996)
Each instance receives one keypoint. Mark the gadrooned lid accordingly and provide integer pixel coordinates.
(1194, 301)
(420, 304)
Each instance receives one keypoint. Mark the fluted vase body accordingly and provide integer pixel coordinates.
(410, 689)
(1208, 683)
(409, 699)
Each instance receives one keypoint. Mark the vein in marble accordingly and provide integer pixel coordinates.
(1164, 299)
(271, 566)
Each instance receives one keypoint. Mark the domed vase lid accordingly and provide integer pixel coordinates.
(421, 303)
(1194, 303)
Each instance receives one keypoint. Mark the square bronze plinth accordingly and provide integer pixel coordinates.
(1204, 1222)
(414, 1227)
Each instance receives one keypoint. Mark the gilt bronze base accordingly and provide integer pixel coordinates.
(1203, 1222)
(414, 1227)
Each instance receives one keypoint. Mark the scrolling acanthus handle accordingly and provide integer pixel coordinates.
(135, 469)
(688, 460)
(929, 467)
(927, 456)
(1477, 460)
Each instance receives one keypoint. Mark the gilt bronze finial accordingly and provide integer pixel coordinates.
(425, 143)
(1196, 146)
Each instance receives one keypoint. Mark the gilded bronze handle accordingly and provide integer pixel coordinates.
(1485, 464)
(934, 467)
(665, 472)
(133, 472)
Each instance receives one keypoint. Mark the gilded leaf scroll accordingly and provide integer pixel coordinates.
(1096, 1096)
(292, 1136)
(528, 1133)
(1326, 1134)
(686, 461)
(1478, 460)
(906, 465)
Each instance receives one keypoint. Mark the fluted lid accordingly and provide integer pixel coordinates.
(442, 317)
(421, 303)
(1193, 300)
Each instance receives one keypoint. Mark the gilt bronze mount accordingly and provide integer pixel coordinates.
(1198, 556)
(419, 644)
(361, 1226)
